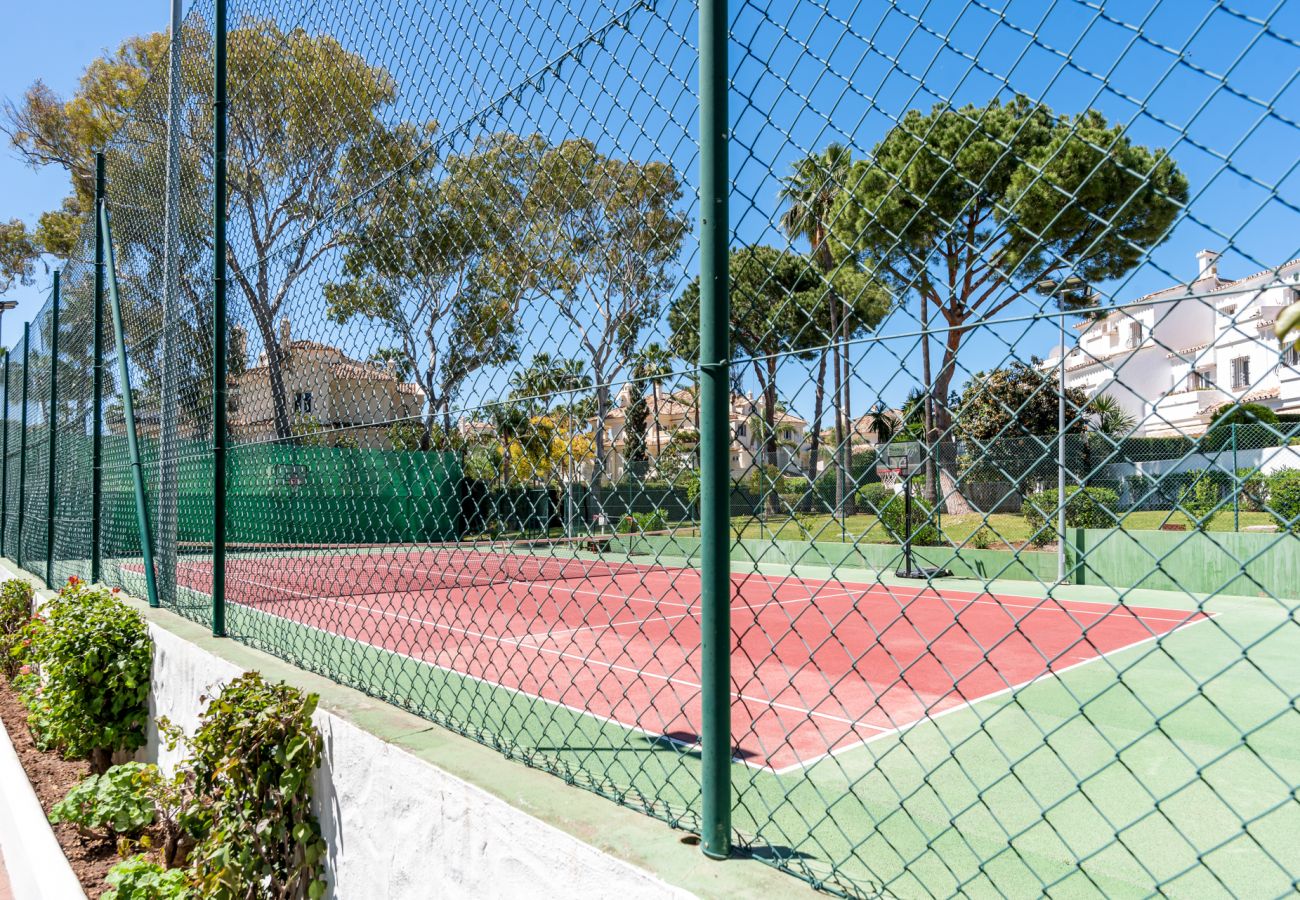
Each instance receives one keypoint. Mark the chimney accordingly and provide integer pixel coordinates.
(284, 333)
(1207, 262)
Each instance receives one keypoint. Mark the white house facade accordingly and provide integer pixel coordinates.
(1174, 357)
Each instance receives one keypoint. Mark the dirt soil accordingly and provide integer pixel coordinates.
(51, 777)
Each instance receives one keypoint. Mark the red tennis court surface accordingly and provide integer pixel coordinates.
(818, 666)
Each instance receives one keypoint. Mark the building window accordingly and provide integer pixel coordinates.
(1292, 356)
(740, 430)
(302, 402)
(1199, 380)
(1240, 373)
(1134, 334)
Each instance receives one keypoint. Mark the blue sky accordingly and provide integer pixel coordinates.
(1208, 81)
(53, 40)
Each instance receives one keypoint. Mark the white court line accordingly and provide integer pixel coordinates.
(613, 667)
(856, 724)
(877, 591)
(967, 704)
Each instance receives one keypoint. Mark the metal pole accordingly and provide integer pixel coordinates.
(1236, 483)
(4, 465)
(219, 326)
(907, 524)
(128, 415)
(22, 444)
(1060, 457)
(715, 455)
(97, 386)
(52, 423)
(165, 528)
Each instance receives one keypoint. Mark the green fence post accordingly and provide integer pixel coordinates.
(715, 454)
(219, 325)
(52, 421)
(128, 414)
(97, 387)
(1236, 483)
(4, 465)
(22, 444)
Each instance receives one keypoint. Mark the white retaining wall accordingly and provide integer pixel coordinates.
(398, 827)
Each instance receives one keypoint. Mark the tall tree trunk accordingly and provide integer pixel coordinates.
(598, 464)
(850, 499)
(769, 438)
(837, 395)
(927, 406)
(818, 402)
(659, 448)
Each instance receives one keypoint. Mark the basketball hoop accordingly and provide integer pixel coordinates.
(890, 477)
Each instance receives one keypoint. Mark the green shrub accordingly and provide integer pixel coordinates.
(114, 804)
(1284, 498)
(923, 530)
(983, 538)
(1253, 485)
(16, 598)
(139, 878)
(91, 659)
(253, 757)
(1256, 426)
(1084, 508)
(1201, 498)
(873, 497)
(654, 520)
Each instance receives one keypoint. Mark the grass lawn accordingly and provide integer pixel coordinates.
(1008, 529)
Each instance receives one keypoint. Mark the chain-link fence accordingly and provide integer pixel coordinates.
(966, 565)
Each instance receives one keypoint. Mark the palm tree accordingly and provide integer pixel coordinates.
(810, 191)
(654, 364)
(1110, 417)
(882, 422)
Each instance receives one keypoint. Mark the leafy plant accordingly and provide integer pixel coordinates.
(106, 806)
(1253, 485)
(1084, 508)
(253, 756)
(1249, 419)
(655, 520)
(140, 878)
(983, 538)
(873, 497)
(1201, 498)
(15, 610)
(1284, 498)
(923, 531)
(92, 659)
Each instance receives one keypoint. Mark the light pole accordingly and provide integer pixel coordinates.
(5, 306)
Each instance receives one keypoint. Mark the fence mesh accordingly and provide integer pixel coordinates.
(1014, 476)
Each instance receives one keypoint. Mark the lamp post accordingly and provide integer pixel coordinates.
(5, 306)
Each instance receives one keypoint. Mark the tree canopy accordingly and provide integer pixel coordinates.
(970, 208)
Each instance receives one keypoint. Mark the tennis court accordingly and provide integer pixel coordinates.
(831, 664)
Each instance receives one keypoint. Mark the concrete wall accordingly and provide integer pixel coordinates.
(399, 827)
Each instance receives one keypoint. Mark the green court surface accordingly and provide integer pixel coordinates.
(1170, 762)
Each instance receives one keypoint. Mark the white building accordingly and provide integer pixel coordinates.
(1174, 357)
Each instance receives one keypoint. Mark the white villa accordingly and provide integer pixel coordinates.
(344, 396)
(1173, 357)
(673, 415)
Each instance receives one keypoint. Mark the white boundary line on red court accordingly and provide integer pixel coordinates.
(513, 642)
(517, 642)
(967, 704)
(873, 591)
